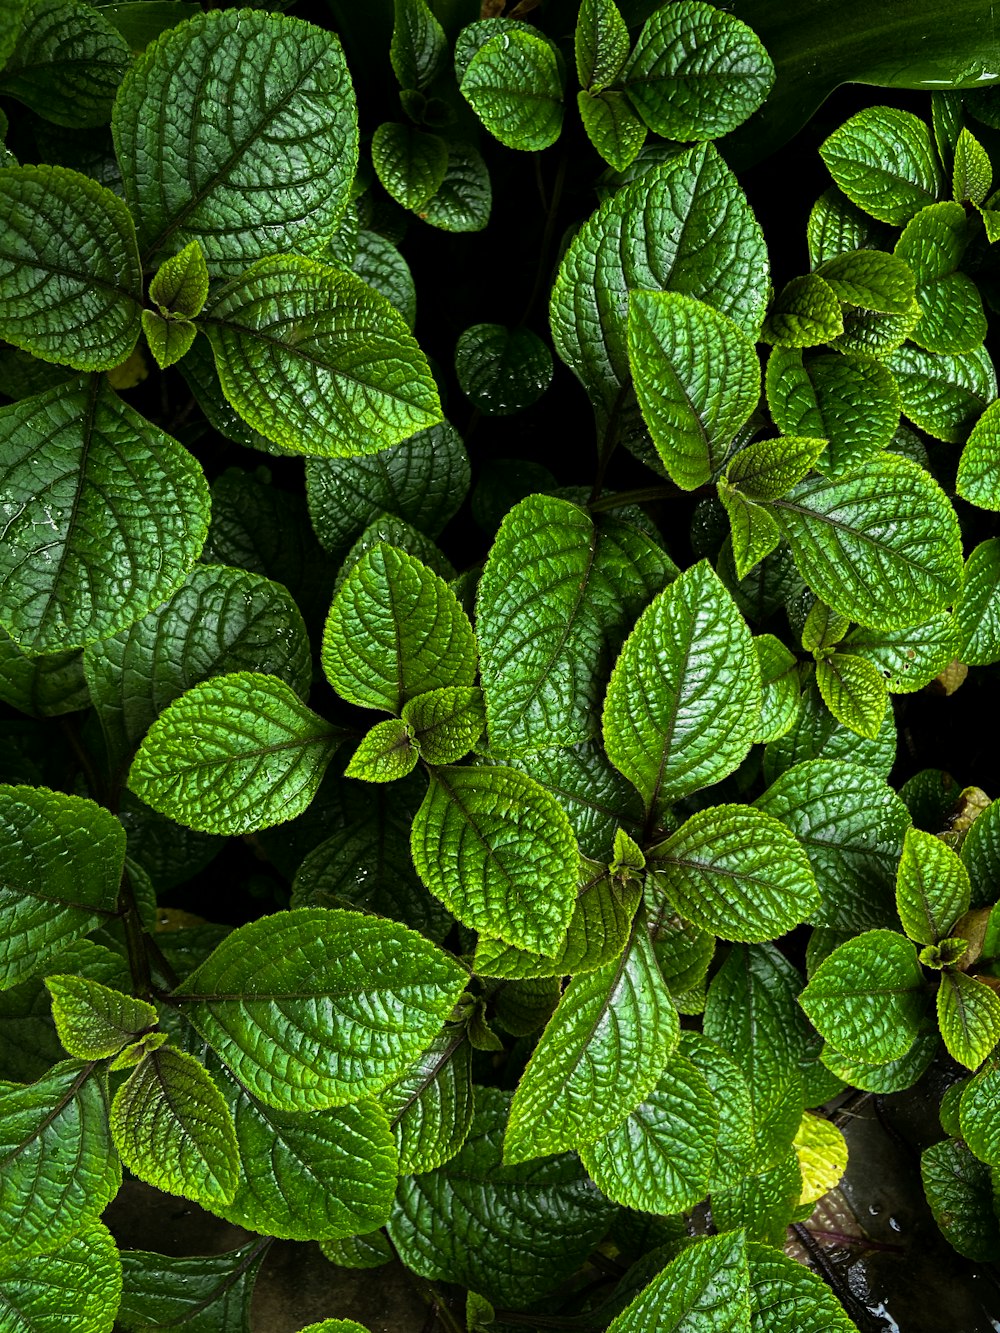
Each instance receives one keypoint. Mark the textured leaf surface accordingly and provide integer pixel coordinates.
(978, 1119)
(602, 1052)
(509, 1232)
(41, 686)
(704, 1290)
(386, 752)
(684, 699)
(779, 679)
(785, 1297)
(766, 469)
(816, 734)
(908, 659)
(979, 467)
(805, 313)
(554, 602)
(70, 280)
(822, 1154)
(978, 607)
(943, 395)
(871, 279)
(409, 163)
(601, 43)
(317, 360)
(969, 1018)
(271, 176)
(502, 370)
(854, 691)
(446, 723)
(499, 852)
(431, 1105)
(77, 1286)
(960, 1194)
(316, 1008)
(67, 64)
(105, 514)
(932, 887)
(612, 126)
(755, 534)
(207, 1294)
(761, 1204)
(61, 862)
(94, 1021)
(932, 244)
(884, 161)
(234, 754)
(836, 227)
(465, 198)
(514, 86)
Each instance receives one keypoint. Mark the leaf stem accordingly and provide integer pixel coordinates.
(438, 1310)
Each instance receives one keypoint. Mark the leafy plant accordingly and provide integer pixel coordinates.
(578, 890)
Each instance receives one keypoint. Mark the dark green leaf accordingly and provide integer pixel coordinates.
(978, 1119)
(419, 46)
(379, 264)
(943, 395)
(41, 686)
(755, 534)
(208, 1294)
(514, 85)
(502, 370)
(612, 126)
(409, 163)
(464, 200)
(933, 244)
(871, 279)
(835, 227)
(977, 610)
(816, 734)
(762, 1204)
(77, 1286)
(431, 1104)
(911, 658)
(779, 678)
(786, 1297)
(180, 284)
(960, 1195)
(972, 174)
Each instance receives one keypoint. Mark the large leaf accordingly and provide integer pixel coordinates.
(601, 43)
(94, 1021)
(77, 1286)
(944, 395)
(684, 700)
(554, 602)
(291, 333)
(234, 754)
(785, 1297)
(61, 862)
(602, 1052)
(509, 1232)
(70, 280)
(206, 1294)
(499, 852)
(960, 1195)
(514, 85)
(704, 1290)
(932, 887)
(270, 176)
(106, 515)
(315, 1008)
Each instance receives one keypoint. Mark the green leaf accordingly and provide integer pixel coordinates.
(168, 339)
(893, 1076)
(290, 332)
(290, 127)
(735, 1146)
(868, 333)
(660, 1159)
(601, 43)
(980, 1126)
(968, 1016)
(972, 174)
(422, 480)
(514, 85)
(180, 285)
(419, 47)
(289, 1001)
(872, 280)
(220, 620)
(174, 1130)
(502, 370)
(933, 244)
(509, 1232)
(11, 21)
(612, 126)
(884, 161)
(696, 377)
(981, 854)
(978, 478)
(943, 395)
(61, 862)
(704, 1290)
(446, 723)
(395, 630)
(816, 734)
(779, 679)
(380, 265)
(499, 852)
(59, 1167)
(464, 200)
(805, 313)
(767, 469)
(395, 532)
(106, 515)
(431, 1104)
(851, 403)
(546, 658)
(755, 534)
(41, 686)
(736, 872)
(368, 1251)
(386, 752)
(94, 1021)
(684, 226)
(835, 227)
(234, 754)
(977, 609)
(207, 1294)
(867, 998)
(881, 546)
(696, 72)
(854, 690)
(79, 1285)
(684, 699)
(932, 887)
(70, 280)
(601, 1054)
(785, 1297)
(823, 628)
(960, 1194)
(762, 1204)
(409, 163)
(911, 658)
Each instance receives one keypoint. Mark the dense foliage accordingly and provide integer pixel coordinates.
(438, 857)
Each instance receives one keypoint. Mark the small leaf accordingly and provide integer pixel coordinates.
(972, 174)
(386, 753)
(805, 313)
(943, 395)
(704, 1290)
(94, 1021)
(779, 679)
(978, 478)
(854, 690)
(514, 85)
(464, 200)
(168, 339)
(502, 370)
(612, 126)
(932, 887)
(446, 723)
(762, 1204)
(822, 1153)
(893, 1075)
(868, 333)
(884, 161)
(977, 610)
(978, 1119)
(836, 227)
(755, 534)
(79, 1284)
(960, 1195)
(767, 469)
(601, 43)
(419, 47)
(816, 734)
(823, 628)
(908, 659)
(180, 285)
(969, 1018)
(871, 279)
(409, 163)
(933, 244)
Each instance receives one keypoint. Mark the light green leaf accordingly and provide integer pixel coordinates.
(835, 227)
(514, 85)
(854, 690)
(180, 284)
(816, 734)
(77, 1286)
(867, 998)
(969, 1017)
(851, 403)
(933, 244)
(464, 200)
(545, 659)
(274, 174)
(981, 854)
(509, 1232)
(893, 1076)
(805, 313)
(70, 279)
(207, 1294)
(881, 546)
(601, 43)
(972, 174)
(960, 1195)
(767, 469)
(911, 658)
(168, 339)
(446, 723)
(755, 534)
(291, 332)
(234, 754)
(499, 852)
(395, 630)
(735, 1145)
(409, 163)
(601, 1054)
(696, 377)
(736, 872)
(823, 628)
(659, 1160)
(315, 1008)
(684, 698)
(977, 610)
(978, 1118)
(780, 684)
(943, 395)
(335, 1326)
(612, 126)
(704, 1290)
(978, 478)
(386, 752)
(58, 1168)
(431, 1104)
(696, 72)
(94, 1021)
(785, 1297)
(106, 515)
(871, 279)
(502, 370)
(174, 1130)
(884, 161)
(61, 862)
(932, 887)
(419, 47)
(852, 825)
